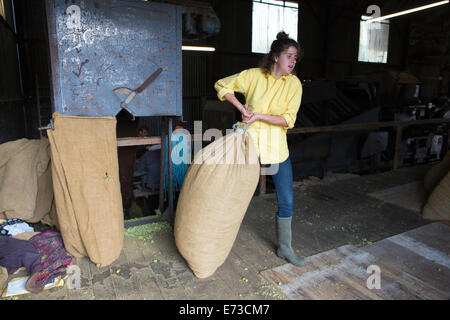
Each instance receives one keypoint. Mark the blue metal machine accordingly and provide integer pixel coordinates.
(109, 55)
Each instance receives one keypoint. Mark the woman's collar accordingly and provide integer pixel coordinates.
(273, 75)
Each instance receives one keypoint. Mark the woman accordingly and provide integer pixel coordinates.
(275, 95)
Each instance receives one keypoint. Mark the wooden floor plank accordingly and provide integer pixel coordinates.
(409, 269)
(322, 277)
(102, 286)
(419, 274)
(121, 275)
(85, 291)
(255, 252)
(238, 276)
(327, 218)
(436, 235)
(411, 196)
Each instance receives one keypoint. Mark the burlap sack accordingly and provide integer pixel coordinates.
(44, 195)
(52, 218)
(436, 173)
(26, 190)
(215, 195)
(438, 204)
(86, 186)
(3, 278)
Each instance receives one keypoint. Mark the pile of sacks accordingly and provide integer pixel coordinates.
(26, 190)
(437, 184)
(69, 181)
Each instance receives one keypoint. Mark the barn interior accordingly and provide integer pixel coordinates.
(369, 148)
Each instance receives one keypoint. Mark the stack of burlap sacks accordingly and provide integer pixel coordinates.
(215, 195)
(437, 185)
(75, 171)
(26, 190)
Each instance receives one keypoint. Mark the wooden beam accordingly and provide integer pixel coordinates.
(364, 126)
(399, 125)
(137, 141)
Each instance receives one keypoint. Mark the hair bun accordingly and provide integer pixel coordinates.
(282, 35)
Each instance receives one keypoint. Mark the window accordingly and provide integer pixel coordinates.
(269, 18)
(373, 41)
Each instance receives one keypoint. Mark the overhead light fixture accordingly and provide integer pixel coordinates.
(431, 5)
(194, 48)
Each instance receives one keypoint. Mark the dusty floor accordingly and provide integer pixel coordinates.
(328, 214)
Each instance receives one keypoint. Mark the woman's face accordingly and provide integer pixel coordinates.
(286, 60)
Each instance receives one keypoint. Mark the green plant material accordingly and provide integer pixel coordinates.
(245, 279)
(269, 291)
(155, 260)
(145, 231)
(135, 210)
(363, 242)
(158, 214)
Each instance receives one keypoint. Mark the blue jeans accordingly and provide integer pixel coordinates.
(283, 186)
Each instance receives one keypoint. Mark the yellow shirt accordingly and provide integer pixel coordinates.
(271, 96)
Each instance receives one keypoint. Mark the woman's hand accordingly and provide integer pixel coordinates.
(245, 113)
(272, 119)
(249, 120)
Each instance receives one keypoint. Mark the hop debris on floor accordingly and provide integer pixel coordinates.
(332, 217)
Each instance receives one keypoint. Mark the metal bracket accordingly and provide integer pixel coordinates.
(50, 126)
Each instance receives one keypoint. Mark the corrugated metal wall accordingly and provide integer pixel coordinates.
(328, 33)
(32, 31)
(11, 110)
(195, 85)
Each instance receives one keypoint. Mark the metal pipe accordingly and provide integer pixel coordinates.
(50, 126)
(170, 174)
(163, 163)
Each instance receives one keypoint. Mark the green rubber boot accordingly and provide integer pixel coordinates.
(285, 250)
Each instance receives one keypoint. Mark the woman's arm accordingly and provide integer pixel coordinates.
(235, 102)
(276, 120)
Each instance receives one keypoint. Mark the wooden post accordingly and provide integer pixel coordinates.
(262, 183)
(398, 142)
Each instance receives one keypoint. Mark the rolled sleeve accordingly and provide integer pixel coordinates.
(231, 84)
(293, 106)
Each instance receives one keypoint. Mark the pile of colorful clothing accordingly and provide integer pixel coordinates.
(43, 255)
(14, 226)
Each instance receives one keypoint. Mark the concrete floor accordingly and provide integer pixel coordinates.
(327, 215)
